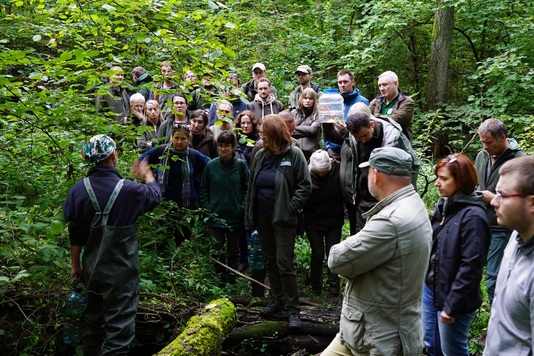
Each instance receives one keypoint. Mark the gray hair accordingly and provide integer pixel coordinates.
(495, 127)
(225, 102)
(391, 76)
(359, 108)
(320, 161)
(137, 97)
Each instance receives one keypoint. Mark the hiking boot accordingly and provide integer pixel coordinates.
(294, 321)
(271, 309)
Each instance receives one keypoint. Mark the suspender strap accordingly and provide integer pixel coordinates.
(98, 213)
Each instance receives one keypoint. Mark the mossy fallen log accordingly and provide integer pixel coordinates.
(205, 332)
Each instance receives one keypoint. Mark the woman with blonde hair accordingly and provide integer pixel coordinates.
(152, 118)
(308, 129)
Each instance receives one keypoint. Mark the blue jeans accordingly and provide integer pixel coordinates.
(440, 338)
(499, 240)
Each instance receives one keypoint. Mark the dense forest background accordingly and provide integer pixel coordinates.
(462, 61)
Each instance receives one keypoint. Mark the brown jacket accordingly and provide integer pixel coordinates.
(402, 112)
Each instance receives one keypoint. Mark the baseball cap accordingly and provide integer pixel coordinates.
(98, 148)
(390, 160)
(304, 69)
(258, 65)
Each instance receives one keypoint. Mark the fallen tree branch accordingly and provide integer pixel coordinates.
(239, 273)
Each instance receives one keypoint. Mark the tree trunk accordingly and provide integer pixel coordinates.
(438, 71)
(204, 333)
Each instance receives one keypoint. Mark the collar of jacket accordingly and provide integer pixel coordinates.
(404, 191)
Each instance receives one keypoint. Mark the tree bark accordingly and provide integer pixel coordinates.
(438, 71)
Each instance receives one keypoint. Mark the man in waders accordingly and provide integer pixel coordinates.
(102, 210)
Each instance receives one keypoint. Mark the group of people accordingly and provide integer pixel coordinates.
(412, 282)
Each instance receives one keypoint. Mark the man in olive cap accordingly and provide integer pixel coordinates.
(102, 210)
(304, 76)
(385, 264)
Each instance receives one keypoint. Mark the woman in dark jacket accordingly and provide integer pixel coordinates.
(179, 116)
(308, 130)
(247, 127)
(323, 218)
(222, 191)
(460, 241)
(152, 119)
(279, 186)
(179, 173)
(201, 136)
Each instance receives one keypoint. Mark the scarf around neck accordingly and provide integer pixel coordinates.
(163, 179)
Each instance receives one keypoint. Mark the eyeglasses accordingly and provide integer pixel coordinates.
(452, 158)
(500, 196)
(225, 111)
(180, 125)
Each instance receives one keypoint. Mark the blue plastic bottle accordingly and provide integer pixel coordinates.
(72, 328)
(257, 259)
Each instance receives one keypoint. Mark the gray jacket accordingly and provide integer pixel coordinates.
(353, 179)
(385, 264)
(511, 329)
(307, 132)
(488, 175)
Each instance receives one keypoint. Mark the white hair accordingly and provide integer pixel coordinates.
(320, 161)
(359, 108)
(391, 76)
(137, 97)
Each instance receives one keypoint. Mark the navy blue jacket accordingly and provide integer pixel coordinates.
(134, 200)
(460, 242)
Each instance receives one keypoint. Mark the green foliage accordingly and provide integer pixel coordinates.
(54, 54)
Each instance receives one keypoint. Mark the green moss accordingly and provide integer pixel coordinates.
(267, 328)
(205, 332)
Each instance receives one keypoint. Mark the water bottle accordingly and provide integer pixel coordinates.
(73, 328)
(257, 259)
(331, 106)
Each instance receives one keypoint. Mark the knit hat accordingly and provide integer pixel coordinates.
(390, 160)
(98, 149)
(320, 161)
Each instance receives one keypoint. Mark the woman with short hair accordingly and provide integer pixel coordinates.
(222, 192)
(323, 218)
(460, 241)
(137, 105)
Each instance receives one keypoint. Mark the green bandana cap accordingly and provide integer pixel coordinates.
(98, 149)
